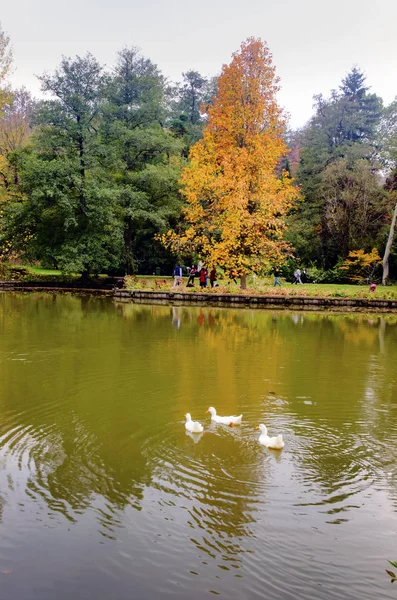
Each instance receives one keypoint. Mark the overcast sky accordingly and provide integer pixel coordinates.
(314, 43)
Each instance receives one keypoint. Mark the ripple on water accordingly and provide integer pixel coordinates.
(215, 513)
(219, 491)
(230, 494)
(224, 485)
(336, 471)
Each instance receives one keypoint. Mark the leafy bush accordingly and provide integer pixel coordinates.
(12, 272)
(360, 266)
(334, 275)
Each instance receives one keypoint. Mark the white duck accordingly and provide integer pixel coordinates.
(225, 420)
(275, 443)
(193, 426)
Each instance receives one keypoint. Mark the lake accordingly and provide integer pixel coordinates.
(104, 495)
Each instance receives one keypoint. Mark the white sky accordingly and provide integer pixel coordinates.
(314, 43)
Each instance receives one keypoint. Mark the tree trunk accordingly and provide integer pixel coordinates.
(243, 282)
(389, 245)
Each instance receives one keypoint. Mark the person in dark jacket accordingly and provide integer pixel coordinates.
(177, 275)
(192, 275)
(276, 273)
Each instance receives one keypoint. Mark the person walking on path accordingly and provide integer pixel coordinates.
(276, 277)
(192, 275)
(297, 277)
(203, 277)
(212, 276)
(177, 275)
(304, 276)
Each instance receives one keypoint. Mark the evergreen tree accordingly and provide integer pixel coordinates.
(191, 97)
(343, 128)
(142, 158)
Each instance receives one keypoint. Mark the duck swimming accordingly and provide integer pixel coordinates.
(225, 420)
(193, 426)
(274, 443)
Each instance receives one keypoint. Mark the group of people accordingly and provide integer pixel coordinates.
(199, 272)
(299, 276)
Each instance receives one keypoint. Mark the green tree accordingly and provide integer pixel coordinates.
(387, 143)
(344, 127)
(194, 94)
(387, 136)
(143, 158)
(356, 206)
(67, 219)
(191, 95)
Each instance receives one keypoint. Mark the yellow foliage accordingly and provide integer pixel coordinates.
(236, 199)
(14, 135)
(360, 265)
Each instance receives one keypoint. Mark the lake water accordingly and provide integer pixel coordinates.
(103, 494)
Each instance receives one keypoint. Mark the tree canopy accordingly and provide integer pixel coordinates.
(342, 135)
(236, 199)
(93, 177)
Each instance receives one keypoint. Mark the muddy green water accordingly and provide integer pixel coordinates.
(104, 496)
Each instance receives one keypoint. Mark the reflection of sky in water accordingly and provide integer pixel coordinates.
(103, 490)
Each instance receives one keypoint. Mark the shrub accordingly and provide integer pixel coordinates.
(360, 267)
(9, 272)
(334, 275)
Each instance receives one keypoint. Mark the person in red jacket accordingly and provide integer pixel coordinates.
(203, 277)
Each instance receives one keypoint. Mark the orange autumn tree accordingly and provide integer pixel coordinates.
(236, 198)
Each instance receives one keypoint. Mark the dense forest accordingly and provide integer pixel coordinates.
(90, 176)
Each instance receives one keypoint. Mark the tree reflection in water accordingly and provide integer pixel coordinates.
(93, 399)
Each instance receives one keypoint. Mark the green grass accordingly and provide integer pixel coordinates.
(256, 285)
(40, 271)
(329, 289)
(265, 286)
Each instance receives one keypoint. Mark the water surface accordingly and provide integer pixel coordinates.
(104, 495)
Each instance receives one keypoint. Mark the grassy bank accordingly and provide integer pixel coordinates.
(265, 286)
(256, 285)
(11, 272)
